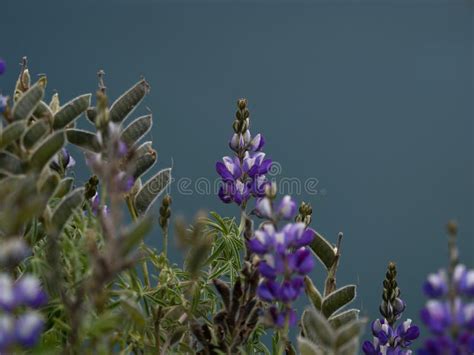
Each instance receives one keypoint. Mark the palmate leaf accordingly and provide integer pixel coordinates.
(34, 133)
(323, 250)
(151, 190)
(27, 103)
(338, 299)
(83, 139)
(136, 130)
(46, 150)
(126, 103)
(66, 207)
(71, 111)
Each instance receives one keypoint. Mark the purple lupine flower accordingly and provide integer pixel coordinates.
(286, 209)
(7, 331)
(7, 296)
(62, 161)
(437, 316)
(28, 329)
(436, 285)
(387, 337)
(284, 260)
(28, 291)
(3, 66)
(467, 283)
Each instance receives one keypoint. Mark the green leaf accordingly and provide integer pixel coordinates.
(34, 133)
(10, 164)
(49, 183)
(11, 133)
(135, 234)
(70, 111)
(307, 347)
(312, 292)
(145, 158)
(338, 299)
(151, 190)
(91, 114)
(350, 348)
(46, 150)
(134, 313)
(66, 207)
(83, 139)
(43, 111)
(105, 323)
(323, 250)
(317, 328)
(126, 103)
(26, 104)
(64, 187)
(136, 130)
(338, 320)
(349, 332)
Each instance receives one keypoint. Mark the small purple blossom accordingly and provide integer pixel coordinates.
(3, 66)
(7, 331)
(284, 260)
(436, 285)
(28, 291)
(62, 161)
(285, 209)
(28, 329)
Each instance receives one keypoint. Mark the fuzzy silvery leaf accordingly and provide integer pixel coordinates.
(83, 139)
(143, 163)
(91, 114)
(71, 110)
(34, 133)
(307, 347)
(349, 332)
(64, 187)
(66, 207)
(135, 234)
(126, 103)
(43, 111)
(49, 183)
(11, 133)
(136, 130)
(313, 293)
(27, 103)
(151, 190)
(323, 250)
(46, 150)
(338, 299)
(350, 348)
(339, 319)
(317, 328)
(10, 164)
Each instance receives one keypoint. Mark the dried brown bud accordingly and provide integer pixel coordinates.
(452, 227)
(242, 104)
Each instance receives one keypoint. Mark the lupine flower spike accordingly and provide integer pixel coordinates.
(449, 312)
(243, 175)
(389, 338)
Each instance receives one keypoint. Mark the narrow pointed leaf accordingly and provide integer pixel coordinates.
(34, 133)
(10, 164)
(317, 328)
(66, 208)
(136, 130)
(143, 163)
(349, 332)
(83, 139)
(27, 103)
(46, 150)
(126, 103)
(135, 314)
(307, 347)
(135, 234)
(11, 133)
(323, 250)
(338, 299)
(312, 292)
(70, 111)
(151, 190)
(337, 320)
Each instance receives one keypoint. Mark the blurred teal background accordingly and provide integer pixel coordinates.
(374, 99)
